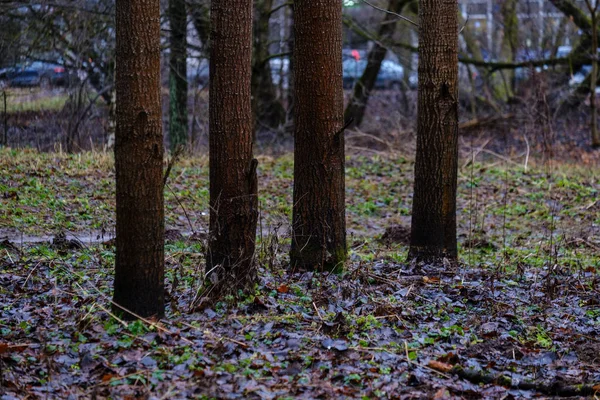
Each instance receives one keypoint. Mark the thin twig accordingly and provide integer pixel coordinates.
(402, 17)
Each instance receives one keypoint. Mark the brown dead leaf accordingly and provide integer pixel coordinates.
(283, 288)
(433, 279)
(108, 377)
(5, 347)
(441, 394)
(439, 366)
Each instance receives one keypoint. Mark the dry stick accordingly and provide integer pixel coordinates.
(115, 379)
(476, 153)
(213, 335)
(504, 251)
(187, 217)
(176, 154)
(5, 142)
(471, 205)
(527, 156)
(146, 320)
(422, 366)
(172, 162)
(502, 157)
(317, 310)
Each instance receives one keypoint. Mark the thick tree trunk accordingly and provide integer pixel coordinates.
(362, 89)
(233, 196)
(139, 267)
(268, 110)
(178, 85)
(319, 225)
(433, 234)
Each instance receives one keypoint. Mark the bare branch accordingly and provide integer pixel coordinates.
(402, 17)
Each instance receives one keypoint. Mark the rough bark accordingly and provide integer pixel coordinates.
(319, 226)
(139, 267)
(433, 231)
(267, 109)
(178, 85)
(355, 110)
(233, 188)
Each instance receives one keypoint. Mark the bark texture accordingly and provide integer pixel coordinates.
(233, 185)
(319, 225)
(139, 268)
(362, 90)
(178, 85)
(433, 232)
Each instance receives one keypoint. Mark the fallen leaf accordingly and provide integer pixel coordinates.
(283, 289)
(441, 394)
(439, 366)
(338, 345)
(108, 377)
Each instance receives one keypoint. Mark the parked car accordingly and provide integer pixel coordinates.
(37, 73)
(390, 75)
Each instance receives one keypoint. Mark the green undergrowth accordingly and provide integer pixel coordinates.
(25, 100)
(507, 216)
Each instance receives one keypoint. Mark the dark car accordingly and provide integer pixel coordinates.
(390, 74)
(38, 73)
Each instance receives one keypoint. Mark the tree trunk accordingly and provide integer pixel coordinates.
(358, 104)
(319, 226)
(233, 186)
(139, 267)
(290, 90)
(200, 10)
(593, 79)
(178, 85)
(267, 109)
(510, 39)
(574, 13)
(433, 234)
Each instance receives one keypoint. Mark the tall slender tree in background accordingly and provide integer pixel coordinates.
(139, 267)
(363, 87)
(178, 84)
(319, 225)
(433, 232)
(233, 185)
(592, 6)
(268, 110)
(510, 39)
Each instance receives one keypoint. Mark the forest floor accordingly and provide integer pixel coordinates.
(519, 318)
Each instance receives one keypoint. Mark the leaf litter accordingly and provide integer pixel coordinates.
(519, 319)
